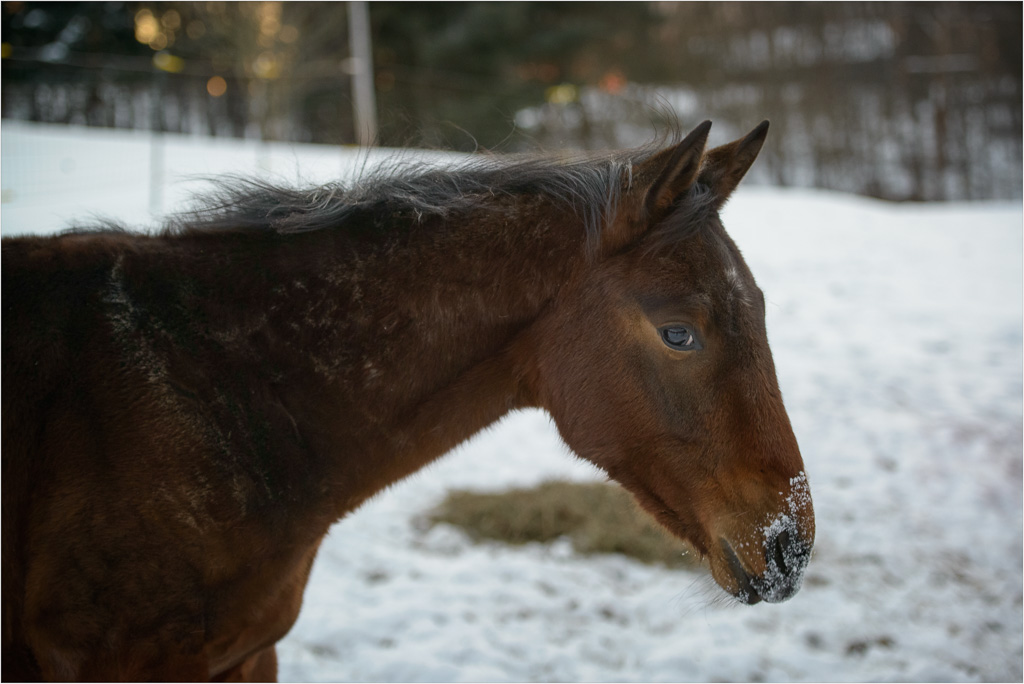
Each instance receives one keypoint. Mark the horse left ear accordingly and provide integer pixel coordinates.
(725, 166)
(662, 179)
(679, 166)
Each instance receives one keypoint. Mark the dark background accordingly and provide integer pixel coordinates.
(904, 101)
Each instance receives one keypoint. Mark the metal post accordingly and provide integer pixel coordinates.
(363, 101)
(156, 150)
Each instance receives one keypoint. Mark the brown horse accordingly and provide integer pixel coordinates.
(185, 414)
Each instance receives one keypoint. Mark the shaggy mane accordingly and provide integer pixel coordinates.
(589, 186)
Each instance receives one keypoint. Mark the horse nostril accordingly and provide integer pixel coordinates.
(786, 556)
(779, 550)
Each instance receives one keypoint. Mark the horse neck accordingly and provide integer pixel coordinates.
(412, 342)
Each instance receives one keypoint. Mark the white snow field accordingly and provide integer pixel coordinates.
(897, 333)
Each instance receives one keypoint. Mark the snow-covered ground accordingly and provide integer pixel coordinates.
(897, 333)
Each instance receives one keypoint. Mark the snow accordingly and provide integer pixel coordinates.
(897, 335)
(777, 584)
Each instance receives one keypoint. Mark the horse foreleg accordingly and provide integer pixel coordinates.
(261, 666)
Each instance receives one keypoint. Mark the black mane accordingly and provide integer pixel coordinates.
(589, 186)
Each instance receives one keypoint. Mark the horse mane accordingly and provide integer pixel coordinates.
(692, 213)
(589, 186)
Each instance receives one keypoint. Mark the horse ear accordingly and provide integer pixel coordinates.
(674, 171)
(725, 166)
(677, 169)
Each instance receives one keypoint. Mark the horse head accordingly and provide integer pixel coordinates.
(654, 363)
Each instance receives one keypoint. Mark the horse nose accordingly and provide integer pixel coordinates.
(779, 549)
(745, 590)
(786, 557)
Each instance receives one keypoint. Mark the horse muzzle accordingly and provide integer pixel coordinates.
(785, 558)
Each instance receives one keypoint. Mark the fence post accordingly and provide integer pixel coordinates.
(156, 151)
(363, 100)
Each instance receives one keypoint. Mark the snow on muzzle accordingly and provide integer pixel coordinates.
(771, 567)
(786, 556)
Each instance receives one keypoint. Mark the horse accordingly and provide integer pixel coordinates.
(187, 411)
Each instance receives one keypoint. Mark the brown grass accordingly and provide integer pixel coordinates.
(597, 517)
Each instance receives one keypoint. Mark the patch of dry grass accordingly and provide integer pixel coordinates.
(597, 517)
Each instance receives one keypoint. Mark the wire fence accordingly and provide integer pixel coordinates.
(54, 177)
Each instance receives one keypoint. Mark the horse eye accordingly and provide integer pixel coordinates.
(680, 337)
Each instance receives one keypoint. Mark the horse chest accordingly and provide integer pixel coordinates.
(257, 613)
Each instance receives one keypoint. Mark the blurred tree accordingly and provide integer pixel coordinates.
(904, 100)
(455, 74)
(451, 74)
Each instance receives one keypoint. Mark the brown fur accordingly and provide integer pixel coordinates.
(186, 414)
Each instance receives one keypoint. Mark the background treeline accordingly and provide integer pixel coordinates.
(896, 100)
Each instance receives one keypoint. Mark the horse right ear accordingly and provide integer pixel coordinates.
(725, 166)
